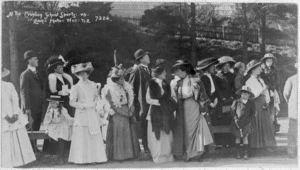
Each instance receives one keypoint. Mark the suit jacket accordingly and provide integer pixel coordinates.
(138, 79)
(32, 92)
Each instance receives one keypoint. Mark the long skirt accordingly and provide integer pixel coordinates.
(121, 140)
(86, 148)
(263, 131)
(161, 150)
(16, 148)
(197, 133)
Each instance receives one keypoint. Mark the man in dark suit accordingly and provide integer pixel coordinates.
(32, 93)
(138, 79)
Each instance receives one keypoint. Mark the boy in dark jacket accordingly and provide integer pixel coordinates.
(243, 112)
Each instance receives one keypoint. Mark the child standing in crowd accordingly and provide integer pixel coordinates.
(57, 123)
(243, 112)
(16, 149)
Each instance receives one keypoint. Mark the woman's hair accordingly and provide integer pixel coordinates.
(115, 79)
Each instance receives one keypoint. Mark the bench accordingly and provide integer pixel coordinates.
(220, 129)
(33, 135)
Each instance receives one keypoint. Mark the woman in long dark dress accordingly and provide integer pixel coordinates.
(263, 131)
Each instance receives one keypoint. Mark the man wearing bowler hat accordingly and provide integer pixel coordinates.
(138, 79)
(32, 92)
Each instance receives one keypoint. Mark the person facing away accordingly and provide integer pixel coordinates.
(138, 79)
(32, 92)
(16, 149)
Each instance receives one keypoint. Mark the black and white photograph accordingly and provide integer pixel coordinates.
(149, 84)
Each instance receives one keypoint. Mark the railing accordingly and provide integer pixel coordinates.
(223, 33)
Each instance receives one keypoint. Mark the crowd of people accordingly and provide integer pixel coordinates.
(90, 124)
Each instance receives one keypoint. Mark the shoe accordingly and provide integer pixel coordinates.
(238, 151)
(246, 157)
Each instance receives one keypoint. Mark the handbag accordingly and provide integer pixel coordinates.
(226, 108)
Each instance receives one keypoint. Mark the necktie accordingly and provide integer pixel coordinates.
(36, 74)
(147, 70)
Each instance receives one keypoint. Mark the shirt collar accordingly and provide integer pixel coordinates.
(144, 65)
(33, 69)
(159, 81)
(244, 101)
(58, 75)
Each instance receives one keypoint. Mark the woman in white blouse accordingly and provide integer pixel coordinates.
(87, 142)
(191, 132)
(263, 131)
(16, 149)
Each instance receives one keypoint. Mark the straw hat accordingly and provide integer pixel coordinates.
(88, 67)
(268, 56)
(183, 63)
(225, 59)
(55, 98)
(203, 64)
(247, 89)
(251, 65)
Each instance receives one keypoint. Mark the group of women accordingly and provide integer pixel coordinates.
(180, 115)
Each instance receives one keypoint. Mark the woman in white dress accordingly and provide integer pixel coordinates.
(87, 142)
(161, 115)
(16, 148)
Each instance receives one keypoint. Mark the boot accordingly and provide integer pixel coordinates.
(238, 151)
(246, 157)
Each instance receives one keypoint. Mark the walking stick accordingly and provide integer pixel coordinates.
(237, 125)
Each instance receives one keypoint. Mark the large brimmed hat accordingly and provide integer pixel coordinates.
(247, 90)
(5, 72)
(182, 63)
(225, 59)
(251, 65)
(140, 53)
(238, 64)
(29, 54)
(81, 67)
(159, 66)
(55, 98)
(54, 62)
(205, 63)
(267, 56)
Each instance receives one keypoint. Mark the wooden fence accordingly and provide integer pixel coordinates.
(223, 33)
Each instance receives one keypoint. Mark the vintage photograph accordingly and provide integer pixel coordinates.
(149, 84)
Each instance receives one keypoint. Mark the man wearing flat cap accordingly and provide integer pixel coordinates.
(32, 92)
(138, 79)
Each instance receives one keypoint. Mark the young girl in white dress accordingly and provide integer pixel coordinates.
(16, 149)
(57, 123)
